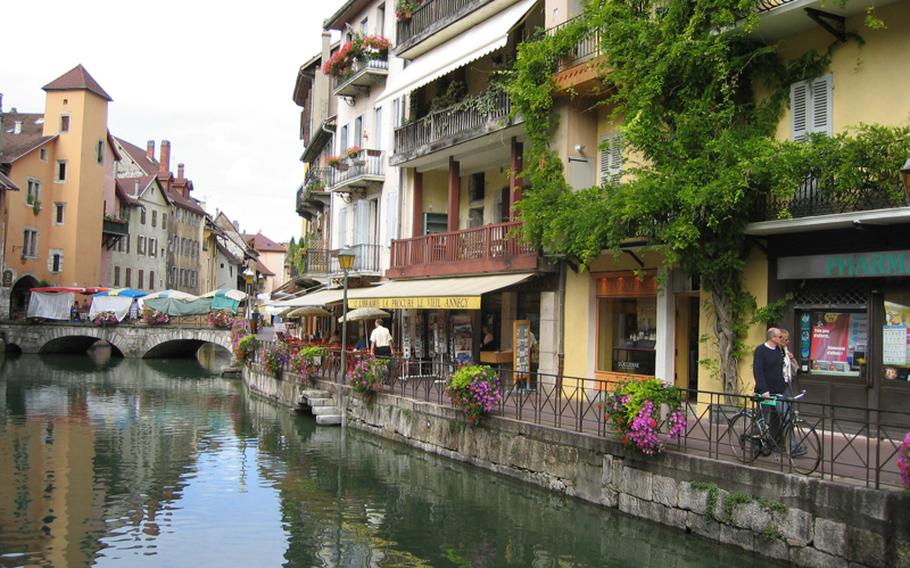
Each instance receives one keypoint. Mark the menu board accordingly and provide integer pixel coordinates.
(521, 351)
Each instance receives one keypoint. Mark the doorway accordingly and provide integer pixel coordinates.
(688, 313)
(18, 305)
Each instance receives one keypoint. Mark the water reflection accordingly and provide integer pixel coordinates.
(162, 463)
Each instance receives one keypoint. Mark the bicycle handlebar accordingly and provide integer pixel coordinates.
(758, 397)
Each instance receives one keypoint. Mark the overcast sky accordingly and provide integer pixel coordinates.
(214, 78)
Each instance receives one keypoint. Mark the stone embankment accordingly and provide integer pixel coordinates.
(805, 521)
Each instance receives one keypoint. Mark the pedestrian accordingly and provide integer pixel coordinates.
(381, 340)
(791, 364)
(488, 340)
(768, 371)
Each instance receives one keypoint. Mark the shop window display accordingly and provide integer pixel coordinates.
(833, 343)
(627, 335)
(896, 337)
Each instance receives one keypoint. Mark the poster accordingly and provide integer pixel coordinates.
(830, 333)
(461, 339)
(405, 335)
(521, 340)
(418, 336)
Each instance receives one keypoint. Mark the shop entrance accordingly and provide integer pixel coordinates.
(687, 321)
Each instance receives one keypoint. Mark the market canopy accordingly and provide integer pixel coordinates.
(54, 305)
(71, 289)
(225, 299)
(175, 294)
(432, 294)
(318, 299)
(126, 292)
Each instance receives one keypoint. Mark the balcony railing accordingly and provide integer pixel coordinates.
(324, 262)
(482, 249)
(363, 74)
(432, 16)
(369, 166)
(813, 198)
(118, 227)
(455, 124)
(587, 47)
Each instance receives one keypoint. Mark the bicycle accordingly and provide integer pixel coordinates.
(751, 435)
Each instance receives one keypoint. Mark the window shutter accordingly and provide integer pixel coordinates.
(821, 105)
(799, 109)
(610, 159)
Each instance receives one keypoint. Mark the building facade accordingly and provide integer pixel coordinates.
(139, 261)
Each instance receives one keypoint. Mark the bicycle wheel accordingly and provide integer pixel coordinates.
(744, 437)
(804, 448)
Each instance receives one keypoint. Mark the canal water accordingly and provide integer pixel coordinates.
(164, 463)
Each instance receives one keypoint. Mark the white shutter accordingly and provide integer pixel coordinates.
(821, 105)
(343, 227)
(799, 107)
(610, 159)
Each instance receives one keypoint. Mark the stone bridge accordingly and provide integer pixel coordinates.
(134, 341)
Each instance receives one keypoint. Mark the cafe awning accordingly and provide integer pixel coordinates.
(317, 299)
(433, 294)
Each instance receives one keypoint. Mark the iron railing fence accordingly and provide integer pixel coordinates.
(815, 197)
(480, 243)
(367, 258)
(858, 445)
(369, 163)
(359, 68)
(434, 15)
(587, 46)
(491, 111)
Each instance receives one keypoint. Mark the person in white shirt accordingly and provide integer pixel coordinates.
(381, 341)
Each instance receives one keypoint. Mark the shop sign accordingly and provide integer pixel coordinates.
(418, 303)
(850, 265)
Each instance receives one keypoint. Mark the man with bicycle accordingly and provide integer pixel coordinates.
(769, 365)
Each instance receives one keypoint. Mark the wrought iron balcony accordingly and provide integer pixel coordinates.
(356, 173)
(813, 198)
(489, 248)
(471, 118)
(587, 47)
(430, 18)
(317, 262)
(363, 74)
(112, 230)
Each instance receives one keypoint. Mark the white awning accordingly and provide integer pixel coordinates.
(319, 298)
(432, 294)
(459, 51)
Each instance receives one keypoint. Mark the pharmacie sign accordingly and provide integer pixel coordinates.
(845, 265)
(418, 303)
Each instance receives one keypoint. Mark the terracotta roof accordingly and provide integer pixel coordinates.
(140, 156)
(13, 146)
(183, 202)
(6, 183)
(77, 78)
(128, 186)
(124, 194)
(262, 243)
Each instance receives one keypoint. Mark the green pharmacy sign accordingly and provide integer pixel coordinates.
(850, 265)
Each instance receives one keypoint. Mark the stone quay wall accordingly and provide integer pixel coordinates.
(805, 521)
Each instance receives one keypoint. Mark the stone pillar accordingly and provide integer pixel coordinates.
(417, 219)
(454, 193)
(549, 334)
(514, 181)
(664, 366)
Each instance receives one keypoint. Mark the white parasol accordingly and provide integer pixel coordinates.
(365, 314)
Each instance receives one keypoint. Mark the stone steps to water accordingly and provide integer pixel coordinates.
(322, 406)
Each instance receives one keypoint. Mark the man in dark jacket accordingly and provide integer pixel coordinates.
(768, 369)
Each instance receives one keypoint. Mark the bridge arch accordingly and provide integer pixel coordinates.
(176, 348)
(76, 344)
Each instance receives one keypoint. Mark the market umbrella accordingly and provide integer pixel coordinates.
(365, 314)
(126, 292)
(307, 311)
(227, 293)
(172, 294)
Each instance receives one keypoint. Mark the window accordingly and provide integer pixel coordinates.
(116, 276)
(30, 243)
(141, 280)
(140, 245)
(377, 128)
(142, 215)
(121, 244)
(127, 244)
(42, 154)
(811, 107)
(128, 281)
(153, 247)
(343, 139)
(173, 275)
(151, 279)
(358, 131)
(99, 152)
(182, 280)
(61, 171)
(164, 221)
(398, 111)
(55, 262)
(834, 342)
(610, 159)
(365, 26)
(380, 22)
(64, 123)
(154, 218)
(58, 213)
(33, 194)
(626, 323)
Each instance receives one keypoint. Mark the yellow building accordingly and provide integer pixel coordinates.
(63, 162)
(622, 319)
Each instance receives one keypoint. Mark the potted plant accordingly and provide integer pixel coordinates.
(154, 317)
(246, 347)
(221, 319)
(353, 153)
(105, 318)
(306, 361)
(645, 414)
(404, 10)
(336, 162)
(476, 390)
(366, 376)
(274, 357)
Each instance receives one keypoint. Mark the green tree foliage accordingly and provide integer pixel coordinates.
(681, 75)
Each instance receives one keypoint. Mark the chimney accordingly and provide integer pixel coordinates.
(165, 162)
(136, 187)
(150, 150)
(179, 171)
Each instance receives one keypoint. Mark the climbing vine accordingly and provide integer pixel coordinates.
(699, 100)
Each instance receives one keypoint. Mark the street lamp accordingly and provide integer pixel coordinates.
(248, 276)
(346, 260)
